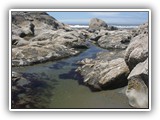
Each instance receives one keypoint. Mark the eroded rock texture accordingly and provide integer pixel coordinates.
(38, 37)
(136, 58)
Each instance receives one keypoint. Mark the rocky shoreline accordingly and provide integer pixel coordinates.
(38, 37)
(128, 67)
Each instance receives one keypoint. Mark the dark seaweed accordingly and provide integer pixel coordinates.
(59, 65)
(72, 74)
(35, 94)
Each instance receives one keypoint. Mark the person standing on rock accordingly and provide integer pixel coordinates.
(32, 26)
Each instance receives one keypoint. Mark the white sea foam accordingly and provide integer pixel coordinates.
(121, 26)
(79, 26)
(118, 26)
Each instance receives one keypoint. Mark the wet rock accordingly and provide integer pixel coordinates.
(103, 74)
(137, 89)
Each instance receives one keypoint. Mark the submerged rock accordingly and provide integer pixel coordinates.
(30, 90)
(19, 84)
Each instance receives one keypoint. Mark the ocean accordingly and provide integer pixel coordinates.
(116, 25)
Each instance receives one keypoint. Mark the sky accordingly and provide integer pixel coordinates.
(108, 17)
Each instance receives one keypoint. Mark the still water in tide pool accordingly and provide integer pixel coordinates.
(59, 86)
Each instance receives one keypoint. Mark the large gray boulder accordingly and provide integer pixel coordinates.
(96, 23)
(137, 89)
(103, 74)
(137, 50)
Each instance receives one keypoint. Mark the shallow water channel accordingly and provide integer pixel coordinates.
(59, 86)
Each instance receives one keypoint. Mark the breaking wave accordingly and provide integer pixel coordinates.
(118, 26)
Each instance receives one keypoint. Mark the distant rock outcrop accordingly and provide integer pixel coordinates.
(96, 24)
(109, 37)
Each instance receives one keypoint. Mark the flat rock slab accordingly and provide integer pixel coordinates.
(104, 74)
